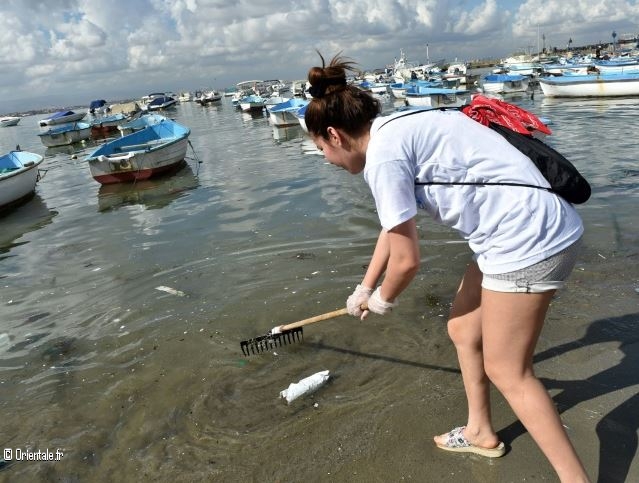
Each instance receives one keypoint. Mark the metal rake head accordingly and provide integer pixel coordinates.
(268, 342)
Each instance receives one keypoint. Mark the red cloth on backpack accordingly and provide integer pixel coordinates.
(485, 110)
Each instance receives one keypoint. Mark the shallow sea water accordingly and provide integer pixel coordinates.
(133, 383)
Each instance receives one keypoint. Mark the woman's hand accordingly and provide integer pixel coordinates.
(358, 299)
(378, 305)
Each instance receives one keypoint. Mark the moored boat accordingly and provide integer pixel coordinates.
(162, 102)
(252, 103)
(283, 114)
(9, 121)
(62, 117)
(152, 151)
(65, 134)
(18, 177)
(592, 85)
(208, 97)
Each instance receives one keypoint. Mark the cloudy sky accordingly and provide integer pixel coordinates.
(68, 52)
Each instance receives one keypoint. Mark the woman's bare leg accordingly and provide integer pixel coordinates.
(511, 324)
(464, 328)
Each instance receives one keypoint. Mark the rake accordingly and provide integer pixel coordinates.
(284, 334)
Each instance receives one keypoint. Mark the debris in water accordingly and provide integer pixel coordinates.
(305, 386)
(170, 290)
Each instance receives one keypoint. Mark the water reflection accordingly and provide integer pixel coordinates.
(286, 133)
(29, 217)
(69, 149)
(153, 193)
(249, 116)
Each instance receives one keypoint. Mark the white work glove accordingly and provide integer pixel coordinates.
(377, 304)
(358, 298)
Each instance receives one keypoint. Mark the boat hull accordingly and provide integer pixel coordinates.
(129, 175)
(18, 186)
(590, 86)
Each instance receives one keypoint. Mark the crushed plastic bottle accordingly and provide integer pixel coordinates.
(305, 386)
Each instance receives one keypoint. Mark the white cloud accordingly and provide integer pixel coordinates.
(92, 49)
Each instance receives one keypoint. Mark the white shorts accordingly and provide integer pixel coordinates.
(549, 274)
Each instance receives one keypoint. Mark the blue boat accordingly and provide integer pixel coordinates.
(252, 103)
(97, 106)
(283, 114)
(144, 154)
(161, 102)
(62, 117)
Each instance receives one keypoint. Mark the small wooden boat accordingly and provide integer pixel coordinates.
(18, 177)
(65, 134)
(152, 151)
(9, 121)
(62, 117)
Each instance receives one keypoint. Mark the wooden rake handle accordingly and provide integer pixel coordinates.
(310, 320)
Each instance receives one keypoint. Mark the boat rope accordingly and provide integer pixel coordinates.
(197, 170)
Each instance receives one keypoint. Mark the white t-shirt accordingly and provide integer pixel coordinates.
(507, 227)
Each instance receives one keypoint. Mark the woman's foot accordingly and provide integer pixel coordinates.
(455, 440)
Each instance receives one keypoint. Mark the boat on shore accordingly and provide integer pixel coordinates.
(599, 85)
(65, 134)
(18, 177)
(62, 117)
(150, 152)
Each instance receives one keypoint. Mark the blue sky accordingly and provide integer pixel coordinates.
(68, 52)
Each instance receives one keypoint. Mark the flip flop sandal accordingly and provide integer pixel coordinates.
(455, 441)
